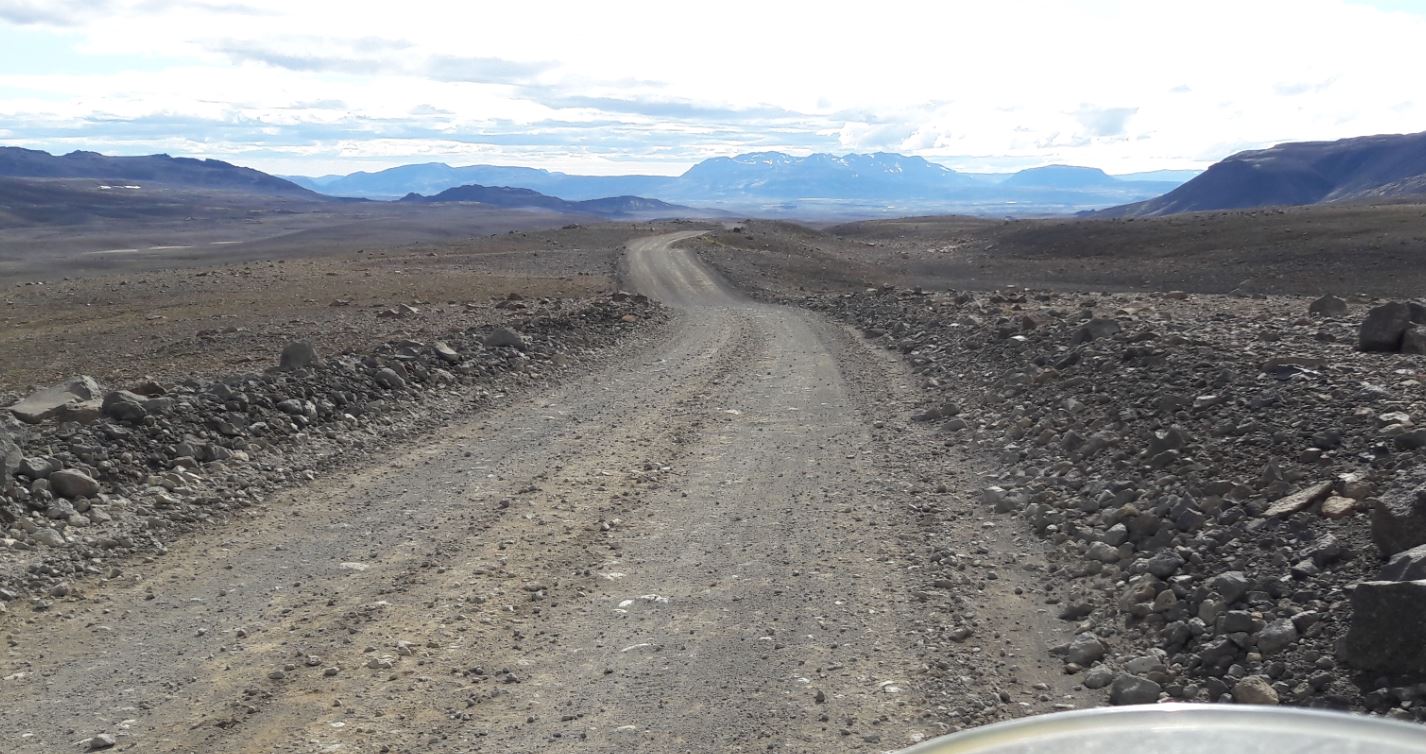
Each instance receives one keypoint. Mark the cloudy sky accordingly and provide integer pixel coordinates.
(318, 86)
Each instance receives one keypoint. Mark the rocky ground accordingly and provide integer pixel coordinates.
(98, 474)
(1222, 478)
(722, 538)
(205, 319)
(437, 516)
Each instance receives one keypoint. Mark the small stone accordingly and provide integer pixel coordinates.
(1132, 689)
(1254, 689)
(1299, 500)
(505, 337)
(1277, 636)
(101, 741)
(1338, 507)
(299, 355)
(1085, 649)
(1098, 677)
(1328, 306)
(73, 484)
(1230, 585)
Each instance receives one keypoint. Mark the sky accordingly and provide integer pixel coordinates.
(315, 87)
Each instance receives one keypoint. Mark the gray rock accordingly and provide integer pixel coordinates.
(1230, 585)
(299, 355)
(101, 741)
(1133, 689)
(1238, 622)
(1399, 521)
(48, 537)
(1254, 689)
(1164, 564)
(1103, 552)
(124, 406)
(38, 468)
(1413, 440)
(1328, 306)
(1098, 677)
(73, 484)
(1277, 636)
(1303, 498)
(1383, 328)
(505, 337)
(45, 404)
(1085, 650)
(388, 378)
(445, 352)
(1407, 565)
(11, 458)
(1385, 631)
(1094, 330)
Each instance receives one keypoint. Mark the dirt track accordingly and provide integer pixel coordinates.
(712, 548)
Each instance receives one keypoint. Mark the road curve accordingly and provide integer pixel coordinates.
(694, 551)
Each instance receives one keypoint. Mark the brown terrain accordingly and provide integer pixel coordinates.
(788, 504)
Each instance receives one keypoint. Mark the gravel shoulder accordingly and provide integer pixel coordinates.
(1231, 486)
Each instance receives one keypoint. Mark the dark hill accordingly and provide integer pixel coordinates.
(1365, 168)
(16, 162)
(516, 198)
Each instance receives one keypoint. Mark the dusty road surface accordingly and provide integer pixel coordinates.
(701, 550)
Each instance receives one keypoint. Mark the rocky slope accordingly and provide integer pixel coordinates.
(89, 475)
(1218, 476)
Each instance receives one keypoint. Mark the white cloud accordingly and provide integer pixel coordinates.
(1122, 85)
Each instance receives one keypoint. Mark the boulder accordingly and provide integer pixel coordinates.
(73, 484)
(299, 355)
(45, 404)
(1385, 632)
(1399, 521)
(1383, 328)
(1328, 306)
(505, 337)
(1407, 565)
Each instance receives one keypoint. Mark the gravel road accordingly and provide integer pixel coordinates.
(711, 548)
